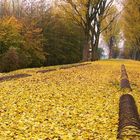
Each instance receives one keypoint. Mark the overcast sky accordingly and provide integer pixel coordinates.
(118, 4)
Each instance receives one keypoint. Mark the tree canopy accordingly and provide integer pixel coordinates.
(131, 28)
(36, 33)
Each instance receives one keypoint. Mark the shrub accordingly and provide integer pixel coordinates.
(10, 60)
(10, 35)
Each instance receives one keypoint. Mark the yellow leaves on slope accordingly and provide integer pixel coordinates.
(73, 104)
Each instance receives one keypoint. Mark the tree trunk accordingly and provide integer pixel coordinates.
(94, 45)
(138, 55)
(86, 50)
(110, 54)
(111, 44)
(134, 54)
(94, 52)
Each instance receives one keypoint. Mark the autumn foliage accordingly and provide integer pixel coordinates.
(79, 103)
(131, 29)
(20, 44)
(37, 35)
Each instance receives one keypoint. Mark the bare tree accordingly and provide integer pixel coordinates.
(88, 15)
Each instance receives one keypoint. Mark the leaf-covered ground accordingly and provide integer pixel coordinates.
(79, 103)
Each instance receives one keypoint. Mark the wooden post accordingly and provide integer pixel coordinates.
(125, 84)
(128, 117)
(129, 121)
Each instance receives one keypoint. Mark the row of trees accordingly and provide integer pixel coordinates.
(100, 17)
(37, 33)
(90, 16)
(131, 29)
(20, 44)
(33, 34)
(112, 33)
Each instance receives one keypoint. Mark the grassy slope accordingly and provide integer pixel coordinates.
(72, 104)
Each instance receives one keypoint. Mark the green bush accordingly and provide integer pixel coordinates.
(10, 35)
(26, 38)
(9, 60)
